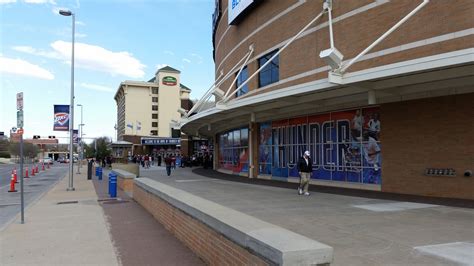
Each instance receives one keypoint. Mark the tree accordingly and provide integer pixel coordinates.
(29, 150)
(102, 150)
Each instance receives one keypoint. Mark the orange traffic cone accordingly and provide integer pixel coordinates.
(15, 176)
(26, 173)
(12, 185)
(32, 171)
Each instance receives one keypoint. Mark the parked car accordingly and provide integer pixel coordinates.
(63, 160)
(46, 160)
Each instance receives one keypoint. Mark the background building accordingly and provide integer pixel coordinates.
(148, 111)
(386, 104)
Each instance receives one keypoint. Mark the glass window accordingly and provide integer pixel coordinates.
(154, 90)
(154, 124)
(154, 107)
(154, 132)
(241, 79)
(154, 116)
(154, 99)
(233, 151)
(270, 73)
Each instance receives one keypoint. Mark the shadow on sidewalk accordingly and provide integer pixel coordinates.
(137, 237)
(338, 190)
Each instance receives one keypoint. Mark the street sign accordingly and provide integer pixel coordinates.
(20, 131)
(19, 119)
(19, 101)
(14, 129)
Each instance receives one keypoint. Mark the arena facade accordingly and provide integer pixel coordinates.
(380, 92)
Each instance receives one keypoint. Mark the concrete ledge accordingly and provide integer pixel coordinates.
(124, 180)
(274, 244)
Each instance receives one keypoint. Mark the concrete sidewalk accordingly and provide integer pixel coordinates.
(362, 231)
(61, 228)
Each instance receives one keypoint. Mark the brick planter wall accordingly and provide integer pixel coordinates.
(125, 184)
(212, 247)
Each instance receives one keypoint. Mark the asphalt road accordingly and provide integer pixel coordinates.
(34, 187)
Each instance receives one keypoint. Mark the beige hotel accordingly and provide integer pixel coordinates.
(147, 112)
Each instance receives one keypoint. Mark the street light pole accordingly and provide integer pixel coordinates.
(81, 154)
(70, 187)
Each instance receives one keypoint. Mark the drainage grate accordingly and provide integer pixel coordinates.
(68, 202)
(112, 201)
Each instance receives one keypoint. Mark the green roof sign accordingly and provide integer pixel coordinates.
(169, 81)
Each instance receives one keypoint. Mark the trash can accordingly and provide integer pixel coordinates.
(100, 173)
(112, 184)
(89, 170)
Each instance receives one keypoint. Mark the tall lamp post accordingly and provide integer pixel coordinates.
(70, 187)
(81, 155)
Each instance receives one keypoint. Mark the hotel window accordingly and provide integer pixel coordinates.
(154, 99)
(241, 79)
(270, 73)
(154, 107)
(154, 116)
(154, 90)
(154, 124)
(154, 132)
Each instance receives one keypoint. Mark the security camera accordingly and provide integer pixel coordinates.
(468, 173)
(332, 57)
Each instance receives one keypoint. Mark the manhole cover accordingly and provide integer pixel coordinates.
(68, 202)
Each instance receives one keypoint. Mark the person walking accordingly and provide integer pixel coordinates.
(305, 168)
(168, 162)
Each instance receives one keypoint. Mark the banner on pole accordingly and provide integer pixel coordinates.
(75, 134)
(61, 118)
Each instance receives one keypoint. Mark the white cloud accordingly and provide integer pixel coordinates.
(198, 57)
(34, 51)
(23, 68)
(40, 2)
(186, 60)
(168, 52)
(97, 87)
(80, 23)
(100, 59)
(7, 1)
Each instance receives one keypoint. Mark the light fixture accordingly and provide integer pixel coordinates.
(182, 111)
(218, 93)
(332, 57)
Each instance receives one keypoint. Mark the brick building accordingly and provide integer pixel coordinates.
(385, 104)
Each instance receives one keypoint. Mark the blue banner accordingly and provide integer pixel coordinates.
(61, 118)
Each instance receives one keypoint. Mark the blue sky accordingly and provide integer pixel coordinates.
(115, 41)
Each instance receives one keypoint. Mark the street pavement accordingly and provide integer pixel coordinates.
(362, 230)
(6, 173)
(33, 187)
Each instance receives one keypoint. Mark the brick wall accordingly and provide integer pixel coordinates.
(125, 184)
(209, 245)
(351, 35)
(437, 133)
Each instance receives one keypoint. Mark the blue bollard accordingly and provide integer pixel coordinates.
(100, 173)
(97, 171)
(113, 185)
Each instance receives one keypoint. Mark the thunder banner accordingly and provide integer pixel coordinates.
(61, 118)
